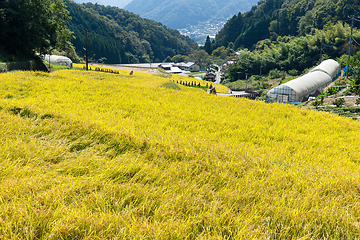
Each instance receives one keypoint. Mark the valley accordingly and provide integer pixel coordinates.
(200, 31)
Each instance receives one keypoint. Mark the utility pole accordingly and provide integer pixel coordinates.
(49, 59)
(238, 75)
(246, 75)
(260, 65)
(321, 48)
(87, 59)
(352, 25)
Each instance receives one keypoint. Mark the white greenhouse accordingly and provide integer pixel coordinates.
(58, 60)
(310, 84)
(331, 67)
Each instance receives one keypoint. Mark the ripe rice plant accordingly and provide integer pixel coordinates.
(174, 77)
(92, 155)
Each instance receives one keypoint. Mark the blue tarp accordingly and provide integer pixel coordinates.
(345, 70)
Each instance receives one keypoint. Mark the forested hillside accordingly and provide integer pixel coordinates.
(118, 36)
(27, 27)
(294, 54)
(180, 14)
(273, 18)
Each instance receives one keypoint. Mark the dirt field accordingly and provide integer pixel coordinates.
(349, 101)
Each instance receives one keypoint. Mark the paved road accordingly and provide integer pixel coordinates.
(134, 68)
(218, 77)
(233, 94)
(143, 65)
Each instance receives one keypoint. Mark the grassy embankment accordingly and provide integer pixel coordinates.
(91, 155)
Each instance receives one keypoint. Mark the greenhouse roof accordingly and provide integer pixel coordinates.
(56, 58)
(309, 83)
(329, 66)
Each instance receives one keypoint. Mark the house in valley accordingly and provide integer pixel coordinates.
(210, 77)
(192, 67)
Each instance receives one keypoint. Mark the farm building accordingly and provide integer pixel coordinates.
(58, 60)
(192, 67)
(310, 84)
(210, 76)
(170, 68)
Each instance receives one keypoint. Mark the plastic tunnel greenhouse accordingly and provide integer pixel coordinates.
(58, 60)
(310, 84)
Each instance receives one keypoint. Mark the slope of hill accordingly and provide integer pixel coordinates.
(273, 18)
(115, 3)
(180, 14)
(118, 36)
(91, 155)
(293, 55)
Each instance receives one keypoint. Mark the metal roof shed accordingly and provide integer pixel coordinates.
(174, 70)
(189, 64)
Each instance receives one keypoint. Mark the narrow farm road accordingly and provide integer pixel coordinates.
(218, 76)
(128, 68)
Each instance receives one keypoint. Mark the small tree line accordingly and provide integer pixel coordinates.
(210, 88)
(106, 70)
(193, 84)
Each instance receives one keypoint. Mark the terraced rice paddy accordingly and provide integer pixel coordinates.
(92, 155)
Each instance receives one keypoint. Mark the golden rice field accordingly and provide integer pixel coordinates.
(92, 155)
(175, 78)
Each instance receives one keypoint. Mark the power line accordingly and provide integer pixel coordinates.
(355, 41)
(325, 52)
(329, 45)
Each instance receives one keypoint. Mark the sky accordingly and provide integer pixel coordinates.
(116, 3)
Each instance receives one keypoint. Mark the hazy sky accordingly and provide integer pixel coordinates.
(116, 3)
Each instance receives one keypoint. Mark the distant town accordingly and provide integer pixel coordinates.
(200, 31)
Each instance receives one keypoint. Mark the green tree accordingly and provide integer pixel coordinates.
(201, 58)
(29, 25)
(167, 59)
(339, 102)
(355, 71)
(219, 52)
(208, 46)
(179, 58)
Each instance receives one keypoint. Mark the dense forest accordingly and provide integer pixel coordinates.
(272, 18)
(295, 53)
(33, 26)
(118, 36)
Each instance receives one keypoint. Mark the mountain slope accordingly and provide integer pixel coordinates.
(115, 3)
(118, 36)
(273, 18)
(180, 14)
